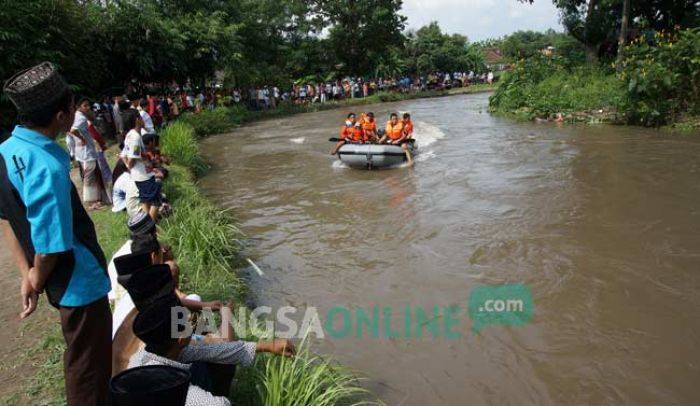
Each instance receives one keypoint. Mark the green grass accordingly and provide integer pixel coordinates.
(181, 147)
(306, 380)
(578, 94)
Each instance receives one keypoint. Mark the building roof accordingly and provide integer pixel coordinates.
(493, 56)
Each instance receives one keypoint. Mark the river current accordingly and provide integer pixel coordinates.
(602, 223)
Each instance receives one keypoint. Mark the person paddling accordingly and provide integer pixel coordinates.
(396, 135)
(346, 132)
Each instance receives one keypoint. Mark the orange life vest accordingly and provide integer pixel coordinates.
(394, 132)
(353, 134)
(358, 134)
(368, 126)
(408, 127)
(345, 132)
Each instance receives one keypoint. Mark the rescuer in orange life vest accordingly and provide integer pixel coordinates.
(407, 126)
(349, 133)
(396, 135)
(369, 126)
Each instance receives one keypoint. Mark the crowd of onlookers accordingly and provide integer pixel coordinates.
(129, 356)
(269, 97)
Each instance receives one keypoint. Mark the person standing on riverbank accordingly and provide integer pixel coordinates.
(133, 157)
(86, 155)
(51, 235)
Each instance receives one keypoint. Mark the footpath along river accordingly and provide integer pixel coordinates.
(601, 222)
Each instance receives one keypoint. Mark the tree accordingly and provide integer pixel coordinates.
(360, 31)
(595, 22)
(429, 50)
(623, 31)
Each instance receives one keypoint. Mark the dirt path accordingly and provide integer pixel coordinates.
(17, 336)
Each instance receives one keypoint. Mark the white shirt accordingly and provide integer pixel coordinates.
(118, 290)
(133, 148)
(84, 152)
(148, 127)
(70, 144)
(125, 195)
(133, 203)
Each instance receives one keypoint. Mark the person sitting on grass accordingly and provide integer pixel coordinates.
(153, 157)
(153, 326)
(145, 241)
(133, 156)
(396, 135)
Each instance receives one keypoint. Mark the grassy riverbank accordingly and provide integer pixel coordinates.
(656, 83)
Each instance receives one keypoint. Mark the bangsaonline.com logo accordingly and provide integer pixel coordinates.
(505, 305)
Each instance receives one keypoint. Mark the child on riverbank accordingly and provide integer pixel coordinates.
(133, 156)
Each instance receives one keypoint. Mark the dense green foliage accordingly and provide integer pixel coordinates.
(543, 87)
(525, 44)
(658, 81)
(103, 46)
(596, 23)
(430, 50)
(306, 380)
(662, 75)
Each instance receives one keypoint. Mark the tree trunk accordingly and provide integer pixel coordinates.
(591, 49)
(591, 53)
(623, 33)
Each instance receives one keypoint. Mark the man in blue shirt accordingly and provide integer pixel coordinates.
(51, 236)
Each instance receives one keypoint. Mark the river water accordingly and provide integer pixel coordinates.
(602, 223)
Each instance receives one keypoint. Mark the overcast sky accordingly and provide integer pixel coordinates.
(482, 19)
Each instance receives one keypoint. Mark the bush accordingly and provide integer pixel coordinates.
(209, 122)
(662, 76)
(546, 86)
(178, 142)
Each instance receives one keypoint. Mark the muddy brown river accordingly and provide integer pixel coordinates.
(602, 223)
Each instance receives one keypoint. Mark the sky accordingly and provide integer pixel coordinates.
(482, 19)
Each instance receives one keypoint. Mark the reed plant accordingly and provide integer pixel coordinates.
(307, 380)
(178, 142)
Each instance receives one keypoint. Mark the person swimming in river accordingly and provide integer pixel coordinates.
(350, 133)
(396, 134)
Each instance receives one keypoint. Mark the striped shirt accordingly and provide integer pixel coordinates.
(231, 353)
